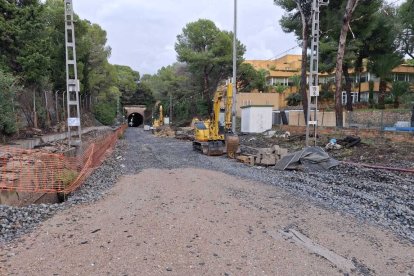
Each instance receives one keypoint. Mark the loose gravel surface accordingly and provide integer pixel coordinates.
(361, 214)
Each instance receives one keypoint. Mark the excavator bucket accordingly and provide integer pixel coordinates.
(232, 145)
(214, 148)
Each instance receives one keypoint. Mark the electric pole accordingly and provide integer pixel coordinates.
(314, 69)
(72, 82)
(234, 111)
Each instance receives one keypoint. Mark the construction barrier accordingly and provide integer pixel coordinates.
(42, 172)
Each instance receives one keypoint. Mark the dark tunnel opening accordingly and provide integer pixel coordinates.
(135, 120)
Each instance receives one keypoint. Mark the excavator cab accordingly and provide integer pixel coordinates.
(201, 131)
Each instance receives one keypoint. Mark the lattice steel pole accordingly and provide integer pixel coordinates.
(314, 69)
(72, 82)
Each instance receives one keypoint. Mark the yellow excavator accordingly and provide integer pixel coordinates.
(212, 137)
(160, 121)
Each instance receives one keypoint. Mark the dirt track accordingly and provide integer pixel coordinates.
(194, 222)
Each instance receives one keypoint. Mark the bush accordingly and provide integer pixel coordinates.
(105, 112)
(294, 99)
(67, 177)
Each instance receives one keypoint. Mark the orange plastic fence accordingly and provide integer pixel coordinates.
(42, 172)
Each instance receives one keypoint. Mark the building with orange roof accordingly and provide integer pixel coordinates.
(281, 70)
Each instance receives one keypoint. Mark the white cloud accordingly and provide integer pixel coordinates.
(142, 33)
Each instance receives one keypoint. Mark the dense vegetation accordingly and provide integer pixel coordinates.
(32, 66)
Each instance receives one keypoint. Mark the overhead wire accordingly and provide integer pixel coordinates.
(279, 54)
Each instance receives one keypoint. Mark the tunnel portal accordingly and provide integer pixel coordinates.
(135, 120)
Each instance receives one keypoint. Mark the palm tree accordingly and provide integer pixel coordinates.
(382, 67)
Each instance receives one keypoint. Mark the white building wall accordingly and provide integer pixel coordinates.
(256, 119)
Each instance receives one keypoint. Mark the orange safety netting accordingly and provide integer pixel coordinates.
(42, 172)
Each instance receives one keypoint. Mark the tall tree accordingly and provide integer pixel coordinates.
(208, 52)
(177, 82)
(381, 49)
(8, 88)
(298, 19)
(55, 24)
(349, 9)
(406, 36)
(246, 75)
(382, 66)
(8, 53)
(399, 89)
(362, 28)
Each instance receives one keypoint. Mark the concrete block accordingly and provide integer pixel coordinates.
(282, 152)
(268, 160)
(264, 151)
(275, 149)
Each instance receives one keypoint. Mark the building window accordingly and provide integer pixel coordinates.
(364, 97)
(354, 97)
(400, 77)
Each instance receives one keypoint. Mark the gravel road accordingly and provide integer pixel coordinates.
(382, 197)
(367, 216)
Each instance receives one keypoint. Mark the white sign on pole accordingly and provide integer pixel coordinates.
(314, 91)
(72, 122)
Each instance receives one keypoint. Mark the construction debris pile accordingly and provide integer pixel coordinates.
(347, 142)
(311, 158)
(59, 146)
(164, 131)
(264, 156)
(185, 133)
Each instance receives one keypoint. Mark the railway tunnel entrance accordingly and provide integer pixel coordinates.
(136, 115)
(135, 120)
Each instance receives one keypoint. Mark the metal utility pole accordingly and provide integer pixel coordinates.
(63, 106)
(72, 82)
(233, 123)
(314, 69)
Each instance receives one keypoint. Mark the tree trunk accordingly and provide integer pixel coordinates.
(350, 7)
(381, 94)
(397, 102)
(371, 94)
(348, 86)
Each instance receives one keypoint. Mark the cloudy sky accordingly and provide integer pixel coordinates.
(142, 33)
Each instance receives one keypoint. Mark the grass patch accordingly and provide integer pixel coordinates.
(67, 177)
